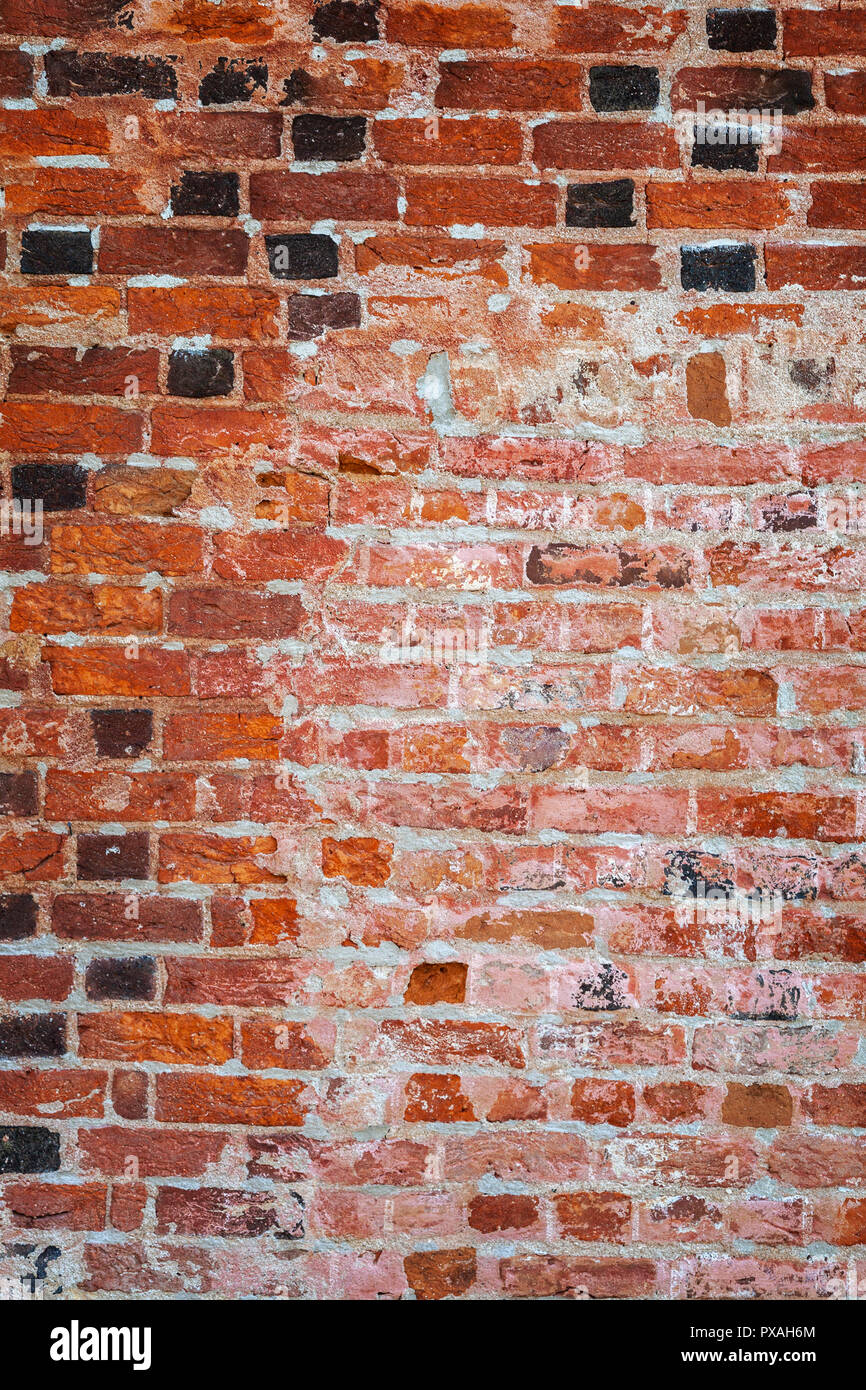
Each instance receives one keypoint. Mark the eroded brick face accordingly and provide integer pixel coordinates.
(433, 672)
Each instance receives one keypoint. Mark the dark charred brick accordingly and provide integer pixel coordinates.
(121, 733)
(329, 137)
(311, 314)
(33, 1035)
(29, 1149)
(19, 795)
(298, 88)
(17, 916)
(347, 21)
(199, 374)
(727, 156)
(561, 562)
(775, 515)
(788, 90)
(70, 73)
(60, 487)
(600, 204)
(727, 268)
(302, 256)
(50, 17)
(691, 874)
(741, 31)
(56, 252)
(206, 195)
(126, 977)
(112, 857)
(16, 74)
(810, 375)
(604, 991)
(627, 88)
(233, 80)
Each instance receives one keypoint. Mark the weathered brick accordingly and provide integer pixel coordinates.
(71, 73)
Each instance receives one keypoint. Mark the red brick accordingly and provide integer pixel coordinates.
(353, 197)
(442, 201)
(449, 142)
(230, 1100)
(816, 267)
(172, 251)
(439, 26)
(615, 29)
(715, 203)
(620, 267)
(808, 33)
(154, 1037)
(56, 1206)
(604, 145)
(40, 428)
(37, 371)
(229, 312)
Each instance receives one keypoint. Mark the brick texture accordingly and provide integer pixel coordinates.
(432, 682)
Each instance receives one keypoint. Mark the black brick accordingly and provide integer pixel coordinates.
(128, 977)
(17, 916)
(329, 137)
(206, 195)
(812, 375)
(302, 256)
(722, 157)
(727, 268)
(626, 88)
(347, 21)
(198, 374)
(33, 1035)
(29, 1149)
(121, 733)
(18, 794)
(112, 856)
(741, 31)
(60, 487)
(105, 74)
(600, 204)
(57, 252)
(233, 80)
(311, 314)
(298, 88)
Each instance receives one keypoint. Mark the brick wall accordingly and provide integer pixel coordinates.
(433, 683)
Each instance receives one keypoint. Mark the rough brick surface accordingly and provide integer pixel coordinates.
(432, 686)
